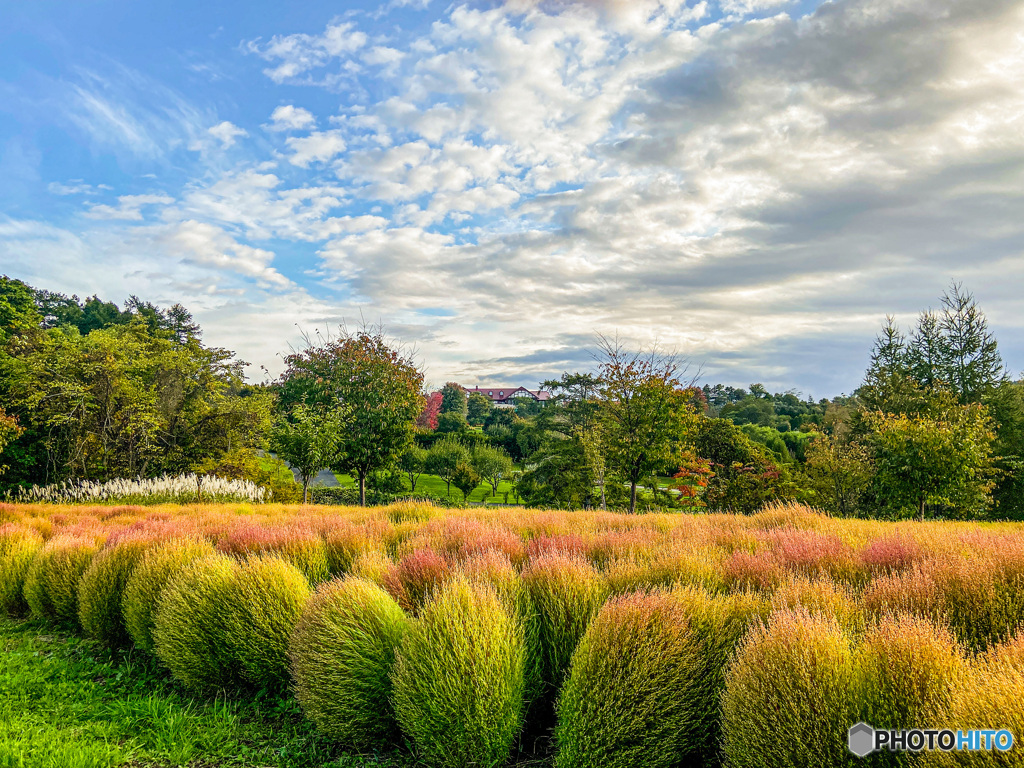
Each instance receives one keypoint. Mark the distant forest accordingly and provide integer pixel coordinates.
(90, 390)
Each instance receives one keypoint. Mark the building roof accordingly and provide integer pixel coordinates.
(499, 394)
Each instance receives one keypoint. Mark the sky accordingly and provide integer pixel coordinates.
(750, 184)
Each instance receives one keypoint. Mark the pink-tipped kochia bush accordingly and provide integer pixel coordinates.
(147, 581)
(264, 602)
(342, 653)
(788, 697)
(416, 576)
(567, 592)
(18, 546)
(189, 628)
(458, 680)
(623, 704)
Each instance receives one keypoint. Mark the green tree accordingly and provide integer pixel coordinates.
(308, 441)
(944, 461)
(444, 458)
(645, 412)
(413, 463)
(465, 478)
(492, 465)
(451, 422)
(376, 384)
(839, 472)
(478, 408)
(971, 364)
(453, 400)
(9, 432)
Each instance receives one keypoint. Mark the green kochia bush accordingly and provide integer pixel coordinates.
(51, 584)
(189, 626)
(789, 694)
(18, 546)
(147, 581)
(101, 590)
(622, 705)
(264, 602)
(567, 593)
(459, 678)
(342, 653)
(717, 625)
(907, 671)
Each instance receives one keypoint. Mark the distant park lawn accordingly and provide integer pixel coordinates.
(434, 486)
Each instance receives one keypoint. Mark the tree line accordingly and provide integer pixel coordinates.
(93, 391)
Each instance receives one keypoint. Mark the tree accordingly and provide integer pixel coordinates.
(308, 441)
(465, 478)
(492, 465)
(443, 459)
(378, 386)
(943, 461)
(645, 411)
(478, 408)
(453, 399)
(971, 364)
(451, 422)
(413, 463)
(839, 471)
(431, 410)
(9, 432)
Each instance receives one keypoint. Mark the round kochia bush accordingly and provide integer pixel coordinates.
(907, 670)
(342, 653)
(147, 581)
(988, 696)
(459, 678)
(51, 584)
(789, 694)
(623, 704)
(17, 548)
(264, 602)
(567, 593)
(101, 590)
(189, 626)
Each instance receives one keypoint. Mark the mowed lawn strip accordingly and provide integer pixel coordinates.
(66, 703)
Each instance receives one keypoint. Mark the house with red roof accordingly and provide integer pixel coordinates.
(508, 395)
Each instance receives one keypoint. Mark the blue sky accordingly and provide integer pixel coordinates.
(754, 184)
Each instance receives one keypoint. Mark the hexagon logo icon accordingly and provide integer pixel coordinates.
(861, 739)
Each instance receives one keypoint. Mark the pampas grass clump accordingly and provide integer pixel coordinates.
(263, 603)
(623, 703)
(189, 627)
(458, 680)
(788, 695)
(342, 653)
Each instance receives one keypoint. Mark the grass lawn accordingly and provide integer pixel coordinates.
(65, 703)
(432, 485)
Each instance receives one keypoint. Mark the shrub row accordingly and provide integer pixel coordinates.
(642, 642)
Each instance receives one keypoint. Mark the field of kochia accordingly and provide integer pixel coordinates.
(485, 637)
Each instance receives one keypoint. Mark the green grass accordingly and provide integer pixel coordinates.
(66, 703)
(434, 486)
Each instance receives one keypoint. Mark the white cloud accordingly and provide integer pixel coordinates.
(129, 207)
(319, 146)
(207, 245)
(299, 53)
(291, 118)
